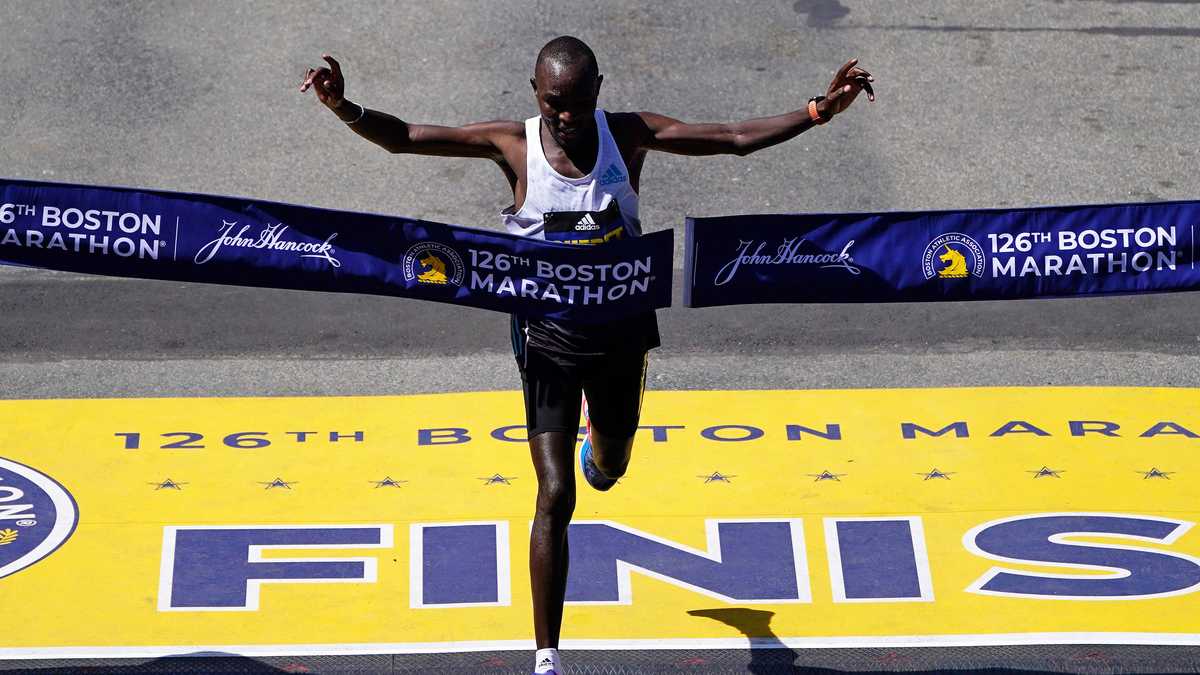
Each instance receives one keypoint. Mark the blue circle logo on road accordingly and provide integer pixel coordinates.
(37, 515)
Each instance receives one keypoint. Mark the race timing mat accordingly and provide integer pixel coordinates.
(147, 527)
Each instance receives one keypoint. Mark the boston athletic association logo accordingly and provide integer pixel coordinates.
(36, 516)
(431, 263)
(952, 256)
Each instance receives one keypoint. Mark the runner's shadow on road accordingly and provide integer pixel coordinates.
(769, 654)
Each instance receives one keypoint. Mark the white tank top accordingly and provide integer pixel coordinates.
(548, 191)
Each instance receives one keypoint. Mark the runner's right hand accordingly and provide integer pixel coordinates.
(327, 82)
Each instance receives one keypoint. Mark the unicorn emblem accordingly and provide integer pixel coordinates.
(957, 264)
(436, 272)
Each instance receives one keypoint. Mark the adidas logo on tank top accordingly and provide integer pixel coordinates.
(586, 223)
(612, 175)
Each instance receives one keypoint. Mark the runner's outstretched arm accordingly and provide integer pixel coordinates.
(659, 132)
(483, 140)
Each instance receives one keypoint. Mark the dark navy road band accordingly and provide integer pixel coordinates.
(155, 234)
(942, 255)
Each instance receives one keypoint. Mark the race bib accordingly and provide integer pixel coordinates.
(586, 228)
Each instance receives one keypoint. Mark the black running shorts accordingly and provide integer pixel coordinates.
(613, 384)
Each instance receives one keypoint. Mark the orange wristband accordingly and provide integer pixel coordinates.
(812, 112)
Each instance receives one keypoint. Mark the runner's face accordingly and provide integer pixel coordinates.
(567, 102)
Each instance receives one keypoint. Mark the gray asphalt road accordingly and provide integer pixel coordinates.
(980, 105)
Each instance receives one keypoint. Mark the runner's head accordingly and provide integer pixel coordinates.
(566, 82)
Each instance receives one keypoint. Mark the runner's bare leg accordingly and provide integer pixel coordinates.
(553, 460)
(611, 453)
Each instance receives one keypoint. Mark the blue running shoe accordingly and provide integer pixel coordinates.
(593, 476)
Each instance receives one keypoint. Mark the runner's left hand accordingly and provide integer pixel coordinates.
(847, 82)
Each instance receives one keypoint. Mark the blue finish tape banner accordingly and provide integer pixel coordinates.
(227, 240)
(942, 255)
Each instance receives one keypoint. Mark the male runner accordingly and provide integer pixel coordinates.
(574, 172)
